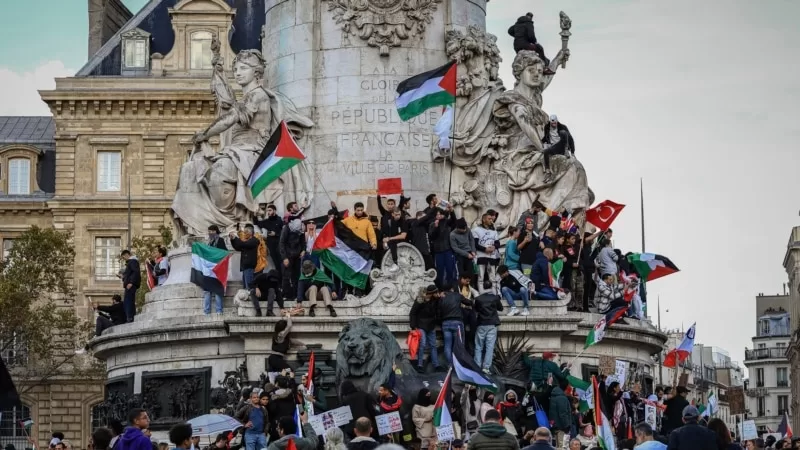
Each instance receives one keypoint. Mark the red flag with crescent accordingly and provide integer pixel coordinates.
(604, 214)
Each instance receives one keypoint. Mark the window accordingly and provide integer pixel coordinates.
(99, 415)
(761, 408)
(7, 244)
(19, 176)
(783, 376)
(106, 257)
(764, 327)
(200, 51)
(14, 353)
(109, 171)
(783, 404)
(762, 345)
(759, 377)
(780, 344)
(136, 53)
(11, 422)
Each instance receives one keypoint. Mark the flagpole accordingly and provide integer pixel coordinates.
(575, 358)
(316, 175)
(453, 140)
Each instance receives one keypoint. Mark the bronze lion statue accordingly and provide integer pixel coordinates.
(365, 354)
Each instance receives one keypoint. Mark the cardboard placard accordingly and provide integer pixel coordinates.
(607, 365)
(736, 399)
(389, 423)
(749, 430)
(445, 433)
(684, 380)
(650, 416)
(334, 418)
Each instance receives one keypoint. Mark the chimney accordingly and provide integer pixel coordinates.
(106, 17)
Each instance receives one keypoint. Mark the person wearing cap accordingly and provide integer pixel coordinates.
(311, 236)
(692, 436)
(674, 407)
(552, 136)
(463, 246)
(515, 286)
(423, 318)
(313, 283)
(540, 369)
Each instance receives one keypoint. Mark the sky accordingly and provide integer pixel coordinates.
(697, 99)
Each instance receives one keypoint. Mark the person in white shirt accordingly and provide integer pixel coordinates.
(487, 244)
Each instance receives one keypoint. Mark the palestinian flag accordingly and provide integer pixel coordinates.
(441, 410)
(651, 266)
(344, 253)
(426, 90)
(280, 154)
(555, 272)
(599, 331)
(605, 433)
(210, 267)
(582, 390)
(467, 370)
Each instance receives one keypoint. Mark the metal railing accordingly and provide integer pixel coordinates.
(765, 353)
(783, 383)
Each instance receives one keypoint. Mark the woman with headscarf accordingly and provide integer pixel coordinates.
(334, 439)
(486, 405)
(511, 413)
(422, 416)
(587, 437)
(471, 405)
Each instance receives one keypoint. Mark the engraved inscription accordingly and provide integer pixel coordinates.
(384, 138)
(379, 115)
(378, 167)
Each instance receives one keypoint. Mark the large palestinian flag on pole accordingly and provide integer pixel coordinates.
(280, 154)
(605, 433)
(210, 267)
(427, 90)
(344, 253)
(651, 266)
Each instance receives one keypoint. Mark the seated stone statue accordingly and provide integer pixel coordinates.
(212, 189)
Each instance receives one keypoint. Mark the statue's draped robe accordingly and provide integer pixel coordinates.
(212, 189)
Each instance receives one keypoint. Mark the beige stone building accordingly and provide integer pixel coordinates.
(791, 262)
(105, 165)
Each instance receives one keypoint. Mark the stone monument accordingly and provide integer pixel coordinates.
(340, 62)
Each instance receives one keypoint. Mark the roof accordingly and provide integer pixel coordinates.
(154, 18)
(27, 130)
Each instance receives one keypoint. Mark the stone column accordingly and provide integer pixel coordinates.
(347, 84)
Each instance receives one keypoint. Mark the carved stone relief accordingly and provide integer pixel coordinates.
(382, 23)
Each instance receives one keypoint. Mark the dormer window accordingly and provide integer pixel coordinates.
(200, 50)
(135, 52)
(19, 176)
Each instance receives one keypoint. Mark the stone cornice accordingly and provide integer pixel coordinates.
(72, 203)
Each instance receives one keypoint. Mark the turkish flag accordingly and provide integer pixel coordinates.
(603, 215)
(390, 186)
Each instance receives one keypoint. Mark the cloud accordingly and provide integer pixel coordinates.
(19, 90)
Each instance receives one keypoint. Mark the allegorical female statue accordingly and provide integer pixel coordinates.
(212, 188)
(498, 147)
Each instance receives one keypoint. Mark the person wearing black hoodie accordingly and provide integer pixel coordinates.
(673, 414)
(113, 314)
(362, 405)
(131, 280)
(439, 232)
(560, 412)
(418, 232)
(281, 404)
(487, 307)
(271, 227)
(525, 39)
(423, 318)
(452, 320)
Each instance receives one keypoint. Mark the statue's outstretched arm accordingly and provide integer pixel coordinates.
(222, 123)
(555, 63)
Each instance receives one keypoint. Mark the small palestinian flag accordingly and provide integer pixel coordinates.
(599, 331)
(426, 90)
(651, 266)
(344, 253)
(280, 154)
(583, 390)
(555, 272)
(467, 370)
(441, 410)
(210, 267)
(605, 433)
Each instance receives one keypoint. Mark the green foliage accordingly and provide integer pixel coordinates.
(36, 297)
(143, 247)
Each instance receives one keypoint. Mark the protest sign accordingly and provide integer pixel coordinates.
(389, 423)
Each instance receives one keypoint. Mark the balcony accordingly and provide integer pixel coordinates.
(783, 383)
(765, 353)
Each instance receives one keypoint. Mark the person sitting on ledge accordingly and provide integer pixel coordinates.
(515, 286)
(525, 39)
(314, 282)
(113, 314)
(263, 282)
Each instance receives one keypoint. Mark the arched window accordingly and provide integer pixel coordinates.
(200, 50)
(19, 176)
(15, 423)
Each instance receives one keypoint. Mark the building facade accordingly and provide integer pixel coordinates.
(791, 263)
(768, 389)
(105, 165)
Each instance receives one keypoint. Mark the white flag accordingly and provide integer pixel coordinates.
(443, 128)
